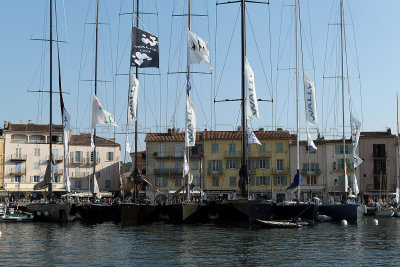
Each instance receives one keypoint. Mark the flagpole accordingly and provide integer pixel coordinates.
(95, 93)
(342, 78)
(186, 115)
(297, 99)
(51, 101)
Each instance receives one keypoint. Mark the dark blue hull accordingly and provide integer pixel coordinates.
(338, 212)
(306, 212)
(97, 212)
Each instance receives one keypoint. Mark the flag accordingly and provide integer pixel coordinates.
(310, 100)
(355, 131)
(357, 161)
(188, 86)
(197, 50)
(397, 198)
(251, 97)
(297, 181)
(96, 187)
(310, 142)
(185, 166)
(67, 183)
(144, 53)
(190, 135)
(346, 180)
(355, 185)
(91, 142)
(100, 115)
(203, 157)
(251, 137)
(133, 97)
(127, 145)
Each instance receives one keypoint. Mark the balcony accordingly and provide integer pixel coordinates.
(74, 160)
(90, 160)
(376, 187)
(253, 154)
(215, 172)
(277, 171)
(58, 172)
(168, 171)
(18, 157)
(311, 172)
(164, 155)
(17, 171)
(57, 158)
(338, 168)
(79, 174)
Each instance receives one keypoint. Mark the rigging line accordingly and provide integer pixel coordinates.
(270, 63)
(258, 52)
(198, 97)
(160, 87)
(213, 105)
(227, 51)
(311, 40)
(116, 67)
(358, 67)
(277, 64)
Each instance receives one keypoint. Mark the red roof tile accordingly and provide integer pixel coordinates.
(83, 139)
(32, 127)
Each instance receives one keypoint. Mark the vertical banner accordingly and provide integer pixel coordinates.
(310, 100)
(251, 97)
(190, 136)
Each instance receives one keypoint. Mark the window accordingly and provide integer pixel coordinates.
(178, 164)
(310, 149)
(232, 181)
(161, 164)
(78, 156)
(55, 168)
(339, 149)
(263, 180)
(214, 147)
(279, 165)
(108, 169)
(17, 179)
(18, 138)
(92, 156)
(215, 166)
(379, 166)
(57, 179)
(341, 164)
(251, 181)
(161, 150)
(18, 152)
(262, 149)
(232, 150)
(262, 164)
(279, 147)
(379, 150)
(232, 164)
(78, 184)
(161, 181)
(311, 180)
(250, 166)
(280, 181)
(195, 164)
(37, 152)
(109, 156)
(196, 181)
(108, 184)
(178, 150)
(77, 171)
(215, 181)
(35, 179)
(178, 181)
(18, 167)
(311, 167)
(36, 165)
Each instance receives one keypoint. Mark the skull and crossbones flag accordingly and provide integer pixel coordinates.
(144, 53)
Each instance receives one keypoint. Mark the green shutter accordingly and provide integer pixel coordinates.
(219, 166)
(237, 164)
(227, 164)
(258, 180)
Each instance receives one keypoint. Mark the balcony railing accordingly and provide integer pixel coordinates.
(77, 160)
(336, 167)
(307, 171)
(90, 160)
(253, 154)
(211, 171)
(376, 187)
(168, 155)
(17, 171)
(168, 171)
(79, 174)
(58, 172)
(57, 158)
(280, 170)
(18, 157)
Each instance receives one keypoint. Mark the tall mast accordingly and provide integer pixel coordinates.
(244, 171)
(95, 91)
(187, 96)
(342, 77)
(51, 99)
(397, 143)
(297, 95)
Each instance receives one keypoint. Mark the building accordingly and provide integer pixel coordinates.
(215, 163)
(164, 158)
(380, 167)
(27, 152)
(3, 193)
(81, 164)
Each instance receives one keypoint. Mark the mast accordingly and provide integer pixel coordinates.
(297, 96)
(187, 96)
(342, 78)
(243, 170)
(95, 92)
(51, 100)
(397, 144)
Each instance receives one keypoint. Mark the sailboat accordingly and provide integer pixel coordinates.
(51, 210)
(144, 54)
(351, 211)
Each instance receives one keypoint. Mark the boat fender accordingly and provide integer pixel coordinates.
(46, 213)
(38, 213)
(375, 222)
(343, 223)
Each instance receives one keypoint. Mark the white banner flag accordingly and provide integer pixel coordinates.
(67, 183)
(310, 101)
(357, 161)
(355, 185)
(66, 128)
(355, 131)
(133, 97)
(190, 135)
(251, 97)
(197, 50)
(91, 142)
(397, 198)
(185, 166)
(100, 115)
(127, 144)
(251, 137)
(310, 142)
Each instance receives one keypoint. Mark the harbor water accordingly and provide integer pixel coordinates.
(109, 244)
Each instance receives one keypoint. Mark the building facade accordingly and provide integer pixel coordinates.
(3, 193)
(27, 153)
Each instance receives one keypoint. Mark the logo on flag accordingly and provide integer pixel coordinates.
(100, 115)
(144, 52)
(197, 50)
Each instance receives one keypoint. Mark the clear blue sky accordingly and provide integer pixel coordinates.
(372, 43)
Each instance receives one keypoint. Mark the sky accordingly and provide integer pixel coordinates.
(372, 63)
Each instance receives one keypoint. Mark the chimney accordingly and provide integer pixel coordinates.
(5, 125)
(279, 129)
(261, 130)
(239, 128)
(29, 121)
(169, 131)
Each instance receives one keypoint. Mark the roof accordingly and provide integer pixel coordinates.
(83, 139)
(386, 134)
(321, 141)
(215, 135)
(32, 127)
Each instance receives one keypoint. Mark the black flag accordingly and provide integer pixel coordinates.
(144, 52)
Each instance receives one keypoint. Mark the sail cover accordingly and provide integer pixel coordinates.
(47, 178)
(251, 98)
(310, 100)
(297, 180)
(144, 53)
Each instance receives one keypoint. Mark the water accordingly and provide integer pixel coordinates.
(108, 244)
